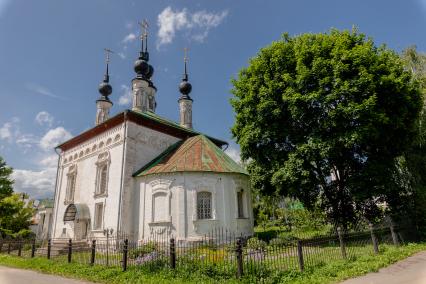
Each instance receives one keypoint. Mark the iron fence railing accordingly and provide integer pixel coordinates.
(220, 252)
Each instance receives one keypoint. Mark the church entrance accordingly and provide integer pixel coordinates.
(79, 217)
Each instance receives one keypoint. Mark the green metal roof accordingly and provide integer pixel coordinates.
(195, 154)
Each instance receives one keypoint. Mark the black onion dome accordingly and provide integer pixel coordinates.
(141, 67)
(185, 87)
(105, 89)
(150, 71)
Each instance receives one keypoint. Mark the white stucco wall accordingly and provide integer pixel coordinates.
(142, 146)
(180, 204)
(84, 157)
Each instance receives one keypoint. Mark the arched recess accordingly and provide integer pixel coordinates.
(161, 201)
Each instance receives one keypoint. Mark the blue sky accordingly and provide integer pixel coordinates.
(52, 60)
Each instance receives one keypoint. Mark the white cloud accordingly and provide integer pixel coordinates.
(38, 184)
(49, 161)
(126, 96)
(40, 90)
(198, 24)
(234, 153)
(6, 132)
(54, 137)
(10, 129)
(129, 38)
(26, 141)
(44, 118)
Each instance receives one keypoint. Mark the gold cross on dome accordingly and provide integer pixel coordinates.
(144, 28)
(107, 54)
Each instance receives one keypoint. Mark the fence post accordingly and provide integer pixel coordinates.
(69, 250)
(374, 239)
(92, 258)
(49, 247)
(19, 247)
(300, 255)
(393, 232)
(1, 244)
(33, 247)
(239, 251)
(125, 249)
(172, 253)
(8, 247)
(342, 242)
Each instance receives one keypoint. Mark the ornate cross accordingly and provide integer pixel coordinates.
(107, 54)
(185, 52)
(144, 28)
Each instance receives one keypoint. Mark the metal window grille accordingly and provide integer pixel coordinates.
(204, 205)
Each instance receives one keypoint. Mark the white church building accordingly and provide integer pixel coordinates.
(142, 175)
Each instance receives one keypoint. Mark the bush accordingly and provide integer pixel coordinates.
(256, 244)
(143, 250)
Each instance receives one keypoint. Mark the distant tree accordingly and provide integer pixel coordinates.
(15, 211)
(6, 183)
(323, 117)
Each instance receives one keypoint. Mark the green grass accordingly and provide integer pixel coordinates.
(325, 272)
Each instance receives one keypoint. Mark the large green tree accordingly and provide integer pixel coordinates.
(322, 117)
(414, 158)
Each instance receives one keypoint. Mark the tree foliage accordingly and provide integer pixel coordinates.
(6, 183)
(15, 212)
(322, 117)
(415, 156)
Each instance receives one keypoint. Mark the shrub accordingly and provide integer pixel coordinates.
(143, 250)
(256, 244)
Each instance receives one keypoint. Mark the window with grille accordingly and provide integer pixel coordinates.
(99, 215)
(69, 196)
(240, 204)
(204, 205)
(102, 182)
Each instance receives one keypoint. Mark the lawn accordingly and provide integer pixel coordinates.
(324, 272)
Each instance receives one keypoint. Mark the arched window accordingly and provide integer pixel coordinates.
(103, 179)
(240, 203)
(160, 202)
(71, 180)
(102, 175)
(204, 205)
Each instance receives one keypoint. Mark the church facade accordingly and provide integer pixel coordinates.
(142, 175)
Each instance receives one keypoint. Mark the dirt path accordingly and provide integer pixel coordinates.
(411, 270)
(19, 276)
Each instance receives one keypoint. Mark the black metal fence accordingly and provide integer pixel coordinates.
(220, 252)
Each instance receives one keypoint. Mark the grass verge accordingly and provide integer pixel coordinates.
(330, 272)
